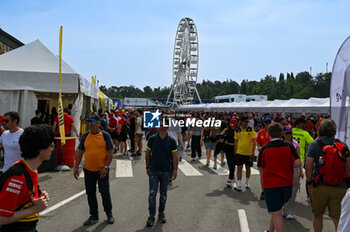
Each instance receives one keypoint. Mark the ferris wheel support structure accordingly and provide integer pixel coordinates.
(185, 64)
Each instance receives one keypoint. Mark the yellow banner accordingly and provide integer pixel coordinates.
(102, 100)
(60, 105)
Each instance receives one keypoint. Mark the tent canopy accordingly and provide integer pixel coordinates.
(311, 105)
(34, 67)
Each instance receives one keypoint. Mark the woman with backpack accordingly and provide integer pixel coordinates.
(326, 165)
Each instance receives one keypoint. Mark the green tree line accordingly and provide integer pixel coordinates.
(302, 85)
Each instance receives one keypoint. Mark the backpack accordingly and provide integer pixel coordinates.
(331, 163)
(126, 127)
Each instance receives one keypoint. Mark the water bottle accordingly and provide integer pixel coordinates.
(320, 162)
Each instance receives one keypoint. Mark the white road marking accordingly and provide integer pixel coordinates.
(220, 170)
(253, 170)
(123, 168)
(48, 210)
(187, 169)
(243, 220)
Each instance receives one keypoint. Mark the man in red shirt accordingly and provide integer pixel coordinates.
(276, 162)
(68, 124)
(113, 130)
(263, 138)
(309, 126)
(20, 197)
(122, 135)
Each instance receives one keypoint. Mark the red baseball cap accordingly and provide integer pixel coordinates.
(233, 122)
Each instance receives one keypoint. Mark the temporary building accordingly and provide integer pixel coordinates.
(302, 106)
(29, 77)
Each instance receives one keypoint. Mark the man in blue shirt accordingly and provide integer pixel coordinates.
(161, 156)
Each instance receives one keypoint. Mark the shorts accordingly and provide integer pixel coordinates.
(209, 146)
(219, 148)
(122, 137)
(323, 196)
(276, 197)
(138, 138)
(114, 135)
(243, 159)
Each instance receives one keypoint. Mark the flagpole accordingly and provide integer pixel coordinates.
(60, 105)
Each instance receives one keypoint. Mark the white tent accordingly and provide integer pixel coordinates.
(302, 106)
(33, 69)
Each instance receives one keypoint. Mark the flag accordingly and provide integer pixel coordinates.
(93, 81)
(339, 90)
(60, 105)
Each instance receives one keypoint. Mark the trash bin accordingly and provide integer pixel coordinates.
(66, 154)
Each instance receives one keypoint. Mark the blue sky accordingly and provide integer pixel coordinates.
(131, 42)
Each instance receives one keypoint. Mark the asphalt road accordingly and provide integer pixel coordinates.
(195, 203)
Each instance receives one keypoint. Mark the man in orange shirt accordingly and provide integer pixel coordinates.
(98, 148)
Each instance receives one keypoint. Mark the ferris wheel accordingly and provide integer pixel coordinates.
(185, 63)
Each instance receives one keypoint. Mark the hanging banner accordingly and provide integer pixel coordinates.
(60, 105)
(338, 90)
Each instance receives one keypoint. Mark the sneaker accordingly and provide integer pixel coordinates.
(110, 219)
(207, 165)
(115, 150)
(125, 153)
(170, 182)
(91, 221)
(150, 221)
(229, 183)
(223, 163)
(119, 154)
(289, 217)
(161, 218)
(238, 188)
(307, 199)
(193, 159)
(215, 166)
(138, 153)
(247, 185)
(262, 196)
(180, 159)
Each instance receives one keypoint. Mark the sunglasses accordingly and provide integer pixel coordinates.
(5, 120)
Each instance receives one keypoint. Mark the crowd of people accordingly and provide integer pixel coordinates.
(289, 150)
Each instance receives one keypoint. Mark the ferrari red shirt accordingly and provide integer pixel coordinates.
(277, 158)
(263, 137)
(15, 194)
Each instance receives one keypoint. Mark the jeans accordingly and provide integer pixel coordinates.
(91, 178)
(181, 153)
(154, 179)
